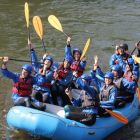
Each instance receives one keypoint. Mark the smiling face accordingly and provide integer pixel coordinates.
(76, 55)
(24, 73)
(48, 63)
(108, 81)
(66, 64)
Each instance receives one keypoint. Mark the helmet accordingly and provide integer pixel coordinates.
(69, 59)
(124, 46)
(87, 77)
(77, 50)
(28, 68)
(109, 75)
(117, 68)
(49, 58)
(130, 61)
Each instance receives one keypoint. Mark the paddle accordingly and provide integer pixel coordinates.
(53, 20)
(27, 21)
(23, 60)
(38, 28)
(118, 116)
(83, 53)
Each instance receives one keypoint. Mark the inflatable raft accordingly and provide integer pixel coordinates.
(52, 123)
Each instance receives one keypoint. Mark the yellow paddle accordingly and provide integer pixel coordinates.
(83, 53)
(53, 20)
(38, 28)
(26, 8)
(118, 116)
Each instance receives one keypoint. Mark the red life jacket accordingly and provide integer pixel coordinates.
(47, 84)
(23, 88)
(60, 74)
(128, 76)
(74, 67)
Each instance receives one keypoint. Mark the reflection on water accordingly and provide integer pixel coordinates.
(105, 22)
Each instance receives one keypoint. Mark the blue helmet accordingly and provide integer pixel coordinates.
(49, 58)
(87, 77)
(130, 61)
(117, 68)
(28, 68)
(109, 75)
(77, 50)
(69, 59)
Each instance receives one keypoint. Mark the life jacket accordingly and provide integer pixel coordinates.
(104, 94)
(121, 90)
(47, 84)
(23, 88)
(60, 73)
(89, 102)
(128, 76)
(74, 68)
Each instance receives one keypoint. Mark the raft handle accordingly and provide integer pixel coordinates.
(91, 133)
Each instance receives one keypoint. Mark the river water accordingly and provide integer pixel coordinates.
(106, 22)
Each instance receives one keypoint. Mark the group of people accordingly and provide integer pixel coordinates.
(112, 89)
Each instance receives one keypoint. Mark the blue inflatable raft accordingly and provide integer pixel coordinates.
(52, 123)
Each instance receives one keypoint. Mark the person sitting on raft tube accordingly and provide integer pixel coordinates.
(123, 85)
(42, 92)
(120, 50)
(108, 90)
(23, 83)
(76, 56)
(62, 76)
(85, 107)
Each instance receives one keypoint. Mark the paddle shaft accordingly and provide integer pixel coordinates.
(23, 60)
(43, 46)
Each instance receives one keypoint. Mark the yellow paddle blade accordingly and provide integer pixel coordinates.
(53, 20)
(118, 116)
(85, 49)
(38, 26)
(138, 93)
(1, 57)
(137, 59)
(26, 8)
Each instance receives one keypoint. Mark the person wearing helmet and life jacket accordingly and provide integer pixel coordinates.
(42, 92)
(120, 50)
(88, 99)
(123, 86)
(62, 76)
(23, 83)
(108, 90)
(77, 68)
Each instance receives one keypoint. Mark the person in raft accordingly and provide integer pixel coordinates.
(120, 50)
(130, 68)
(108, 90)
(42, 92)
(23, 83)
(77, 72)
(62, 76)
(85, 107)
(124, 86)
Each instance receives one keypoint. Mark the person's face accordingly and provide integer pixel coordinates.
(115, 73)
(66, 64)
(128, 67)
(108, 81)
(85, 81)
(121, 51)
(76, 55)
(24, 73)
(48, 63)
